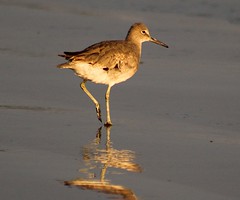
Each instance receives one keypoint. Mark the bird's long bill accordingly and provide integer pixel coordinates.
(154, 40)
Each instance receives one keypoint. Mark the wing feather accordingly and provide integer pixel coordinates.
(106, 54)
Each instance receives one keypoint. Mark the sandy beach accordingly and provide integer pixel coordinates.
(176, 132)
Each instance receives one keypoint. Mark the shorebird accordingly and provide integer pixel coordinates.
(109, 62)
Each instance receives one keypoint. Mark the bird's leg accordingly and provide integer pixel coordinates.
(108, 122)
(98, 110)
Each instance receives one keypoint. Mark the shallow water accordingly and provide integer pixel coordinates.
(176, 122)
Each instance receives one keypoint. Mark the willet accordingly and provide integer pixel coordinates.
(109, 62)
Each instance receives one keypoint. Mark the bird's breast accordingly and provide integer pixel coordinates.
(104, 75)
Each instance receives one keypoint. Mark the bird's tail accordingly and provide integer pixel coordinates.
(64, 66)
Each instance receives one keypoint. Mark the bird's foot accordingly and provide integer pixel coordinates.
(108, 124)
(98, 111)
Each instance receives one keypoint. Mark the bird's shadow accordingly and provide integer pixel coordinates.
(99, 161)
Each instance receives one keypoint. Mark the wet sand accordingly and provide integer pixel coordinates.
(177, 119)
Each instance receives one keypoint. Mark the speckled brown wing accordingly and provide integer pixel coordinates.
(107, 55)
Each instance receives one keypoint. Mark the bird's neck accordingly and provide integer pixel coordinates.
(135, 43)
(131, 38)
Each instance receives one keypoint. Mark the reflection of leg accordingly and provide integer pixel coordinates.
(107, 96)
(108, 139)
(108, 159)
(103, 173)
(99, 135)
(98, 110)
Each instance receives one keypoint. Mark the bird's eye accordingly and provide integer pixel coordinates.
(143, 32)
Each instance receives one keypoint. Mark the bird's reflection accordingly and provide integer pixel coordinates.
(98, 160)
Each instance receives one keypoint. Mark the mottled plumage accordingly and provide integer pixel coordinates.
(109, 62)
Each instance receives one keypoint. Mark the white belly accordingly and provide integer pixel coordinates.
(97, 74)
